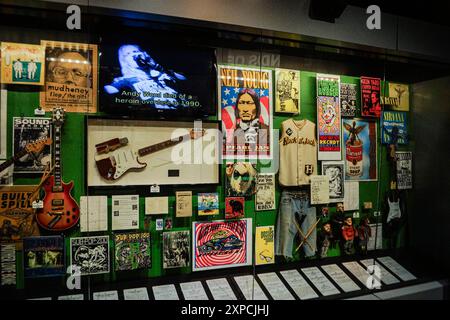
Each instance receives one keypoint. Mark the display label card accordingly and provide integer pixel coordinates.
(359, 272)
(135, 294)
(157, 205)
(220, 289)
(184, 204)
(319, 280)
(250, 288)
(165, 292)
(93, 213)
(72, 297)
(155, 189)
(396, 268)
(125, 212)
(39, 112)
(340, 278)
(275, 286)
(301, 288)
(106, 295)
(320, 190)
(385, 276)
(193, 291)
(376, 235)
(37, 204)
(44, 298)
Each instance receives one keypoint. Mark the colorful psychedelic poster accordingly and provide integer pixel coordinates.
(132, 251)
(394, 127)
(360, 137)
(240, 179)
(245, 108)
(265, 192)
(234, 207)
(90, 254)
(336, 173)
(176, 249)
(208, 204)
(7, 264)
(27, 130)
(400, 92)
(22, 63)
(287, 93)
(264, 245)
(43, 256)
(328, 117)
(370, 97)
(221, 244)
(348, 100)
(404, 169)
(70, 77)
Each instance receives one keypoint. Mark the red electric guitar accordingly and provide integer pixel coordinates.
(60, 211)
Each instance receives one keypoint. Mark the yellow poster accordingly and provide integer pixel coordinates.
(70, 76)
(287, 98)
(264, 245)
(400, 92)
(22, 63)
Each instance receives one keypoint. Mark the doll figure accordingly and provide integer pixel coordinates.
(338, 221)
(326, 237)
(349, 233)
(364, 232)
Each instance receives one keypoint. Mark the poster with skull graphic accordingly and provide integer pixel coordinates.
(90, 254)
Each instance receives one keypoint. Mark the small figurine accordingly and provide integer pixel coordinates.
(338, 220)
(364, 233)
(326, 238)
(349, 233)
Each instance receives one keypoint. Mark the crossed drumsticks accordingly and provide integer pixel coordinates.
(308, 233)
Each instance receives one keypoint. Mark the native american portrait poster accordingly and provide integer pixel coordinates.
(287, 91)
(22, 63)
(43, 256)
(245, 108)
(328, 117)
(90, 254)
(221, 244)
(70, 76)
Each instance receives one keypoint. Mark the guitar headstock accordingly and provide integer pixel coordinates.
(197, 133)
(38, 145)
(58, 116)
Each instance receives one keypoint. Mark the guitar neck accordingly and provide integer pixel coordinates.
(10, 161)
(57, 155)
(162, 145)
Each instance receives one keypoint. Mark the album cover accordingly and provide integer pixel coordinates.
(90, 254)
(176, 249)
(234, 207)
(208, 204)
(240, 179)
(132, 251)
(43, 256)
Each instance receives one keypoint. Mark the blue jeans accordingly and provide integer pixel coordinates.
(295, 203)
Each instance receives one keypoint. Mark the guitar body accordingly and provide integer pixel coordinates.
(60, 211)
(118, 163)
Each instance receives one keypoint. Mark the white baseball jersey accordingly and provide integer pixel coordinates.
(298, 152)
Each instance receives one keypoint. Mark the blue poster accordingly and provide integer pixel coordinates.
(394, 127)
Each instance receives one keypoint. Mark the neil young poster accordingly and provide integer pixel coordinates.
(328, 117)
(70, 76)
(245, 108)
(91, 254)
(221, 244)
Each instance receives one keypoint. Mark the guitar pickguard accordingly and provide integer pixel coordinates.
(115, 165)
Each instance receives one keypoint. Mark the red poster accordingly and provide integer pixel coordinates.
(370, 97)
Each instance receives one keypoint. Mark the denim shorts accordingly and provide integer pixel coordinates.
(295, 203)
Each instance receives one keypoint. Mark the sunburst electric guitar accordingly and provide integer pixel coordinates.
(60, 211)
(114, 165)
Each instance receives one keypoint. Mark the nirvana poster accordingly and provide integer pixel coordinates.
(70, 76)
(208, 204)
(25, 131)
(43, 256)
(394, 127)
(400, 93)
(245, 108)
(264, 246)
(132, 251)
(176, 249)
(348, 100)
(328, 117)
(91, 254)
(360, 137)
(22, 64)
(7, 264)
(234, 207)
(240, 179)
(221, 244)
(265, 192)
(404, 169)
(370, 97)
(336, 173)
(17, 213)
(287, 95)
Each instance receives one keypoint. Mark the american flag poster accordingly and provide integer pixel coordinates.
(221, 244)
(245, 108)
